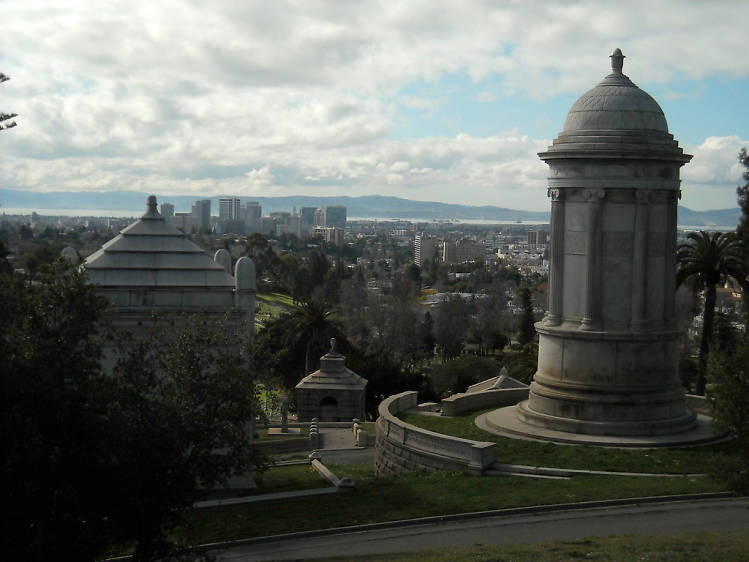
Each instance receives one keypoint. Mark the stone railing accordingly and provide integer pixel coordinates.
(459, 403)
(698, 404)
(401, 447)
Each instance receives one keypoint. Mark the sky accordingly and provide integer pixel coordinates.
(427, 100)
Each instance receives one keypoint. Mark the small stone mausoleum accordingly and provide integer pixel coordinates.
(334, 393)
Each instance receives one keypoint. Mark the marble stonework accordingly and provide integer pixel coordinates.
(608, 346)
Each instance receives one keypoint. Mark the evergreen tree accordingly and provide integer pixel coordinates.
(743, 196)
(4, 117)
(526, 330)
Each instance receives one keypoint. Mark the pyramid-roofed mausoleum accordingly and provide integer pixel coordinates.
(152, 268)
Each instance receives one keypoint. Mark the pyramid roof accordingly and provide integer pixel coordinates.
(153, 253)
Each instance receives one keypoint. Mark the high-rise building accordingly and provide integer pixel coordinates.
(537, 238)
(228, 208)
(330, 234)
(335, 215)
(202, 209)
(462, 251)
(320, 217)
(253, 211)
(167, 210)
(423, 249)
(307, 218)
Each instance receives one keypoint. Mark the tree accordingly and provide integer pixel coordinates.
(708, 259)
(743, 228)
(186, 410)
(451, 325)
(51, 399)
(728, 375)
(312, 325)
(93, 460)
(41, 254)
(457, 375)
(266, 261)
(743, 196)
(526, 329)
(5, 267)
(6, 116)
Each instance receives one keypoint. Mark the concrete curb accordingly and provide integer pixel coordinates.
(523, 469)
(467, 516)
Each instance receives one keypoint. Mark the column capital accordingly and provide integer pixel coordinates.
(642, 196)
(555, 193)
(594, 195)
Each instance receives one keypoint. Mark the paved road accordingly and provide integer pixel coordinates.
(664, 518)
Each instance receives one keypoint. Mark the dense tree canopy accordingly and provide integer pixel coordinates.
(93, 460)
(728, 375)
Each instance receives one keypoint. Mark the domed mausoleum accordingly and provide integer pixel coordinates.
(608, 359)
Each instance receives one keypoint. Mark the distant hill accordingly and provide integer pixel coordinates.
(368, 206)
(721, 217)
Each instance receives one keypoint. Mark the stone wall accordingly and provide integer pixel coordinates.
(698, 404)
(401, 447)
(459, 403)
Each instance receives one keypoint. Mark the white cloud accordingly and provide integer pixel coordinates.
(709, 181)
(285, 97)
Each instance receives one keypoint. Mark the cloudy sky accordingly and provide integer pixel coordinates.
(439, 101)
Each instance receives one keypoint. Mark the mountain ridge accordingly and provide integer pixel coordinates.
(365, 206)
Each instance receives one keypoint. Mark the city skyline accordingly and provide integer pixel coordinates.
(425, 101)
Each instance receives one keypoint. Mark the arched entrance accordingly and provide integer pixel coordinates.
(329, 409)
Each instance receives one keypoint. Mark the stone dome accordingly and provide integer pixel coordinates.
(615, 104)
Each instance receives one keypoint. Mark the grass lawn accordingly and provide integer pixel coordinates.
(419, 495)
(683, 460)
(272, 305)
(684, 546)
(278, 300)
(288, 478)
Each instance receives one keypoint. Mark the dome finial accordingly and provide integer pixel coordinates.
(617, 61)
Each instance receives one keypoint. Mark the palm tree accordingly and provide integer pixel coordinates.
(311, 322)
(709, 258)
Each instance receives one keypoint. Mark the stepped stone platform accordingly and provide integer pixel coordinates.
(505, 422)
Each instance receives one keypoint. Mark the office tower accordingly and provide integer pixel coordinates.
(335, 215)
(423, 249)
(202, 209)
(167, 210)
(228, 208)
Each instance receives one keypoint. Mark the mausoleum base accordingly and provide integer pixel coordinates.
(506, 422)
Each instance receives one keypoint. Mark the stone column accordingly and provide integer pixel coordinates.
(638, 319)
(556, 259)
(669, 266)
(592, 317)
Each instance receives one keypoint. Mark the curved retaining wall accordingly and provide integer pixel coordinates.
(401, 447)
(465, 402)
(698, 404)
